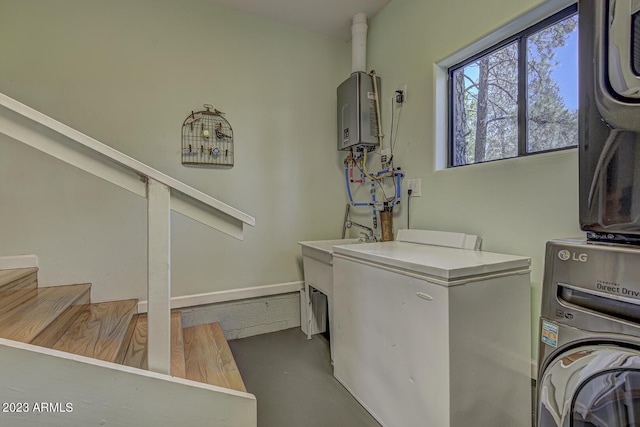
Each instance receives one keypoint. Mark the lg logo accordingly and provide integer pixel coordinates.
(566, 255)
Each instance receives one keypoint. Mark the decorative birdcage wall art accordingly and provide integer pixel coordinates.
(207, 139)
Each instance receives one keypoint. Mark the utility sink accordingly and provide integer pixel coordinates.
(322, 250)
(317, 259)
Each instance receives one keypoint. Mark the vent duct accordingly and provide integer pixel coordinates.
(359, 43)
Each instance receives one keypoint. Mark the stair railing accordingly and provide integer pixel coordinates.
(163, 195)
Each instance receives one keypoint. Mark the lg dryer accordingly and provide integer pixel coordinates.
(589, 354)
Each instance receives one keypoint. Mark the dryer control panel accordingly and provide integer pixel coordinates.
(586, 281)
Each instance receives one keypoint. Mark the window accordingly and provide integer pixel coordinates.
(519, 97)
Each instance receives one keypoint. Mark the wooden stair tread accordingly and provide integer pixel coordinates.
(52, 333)
(100, 331)
(126, 338)
(11, 299)
(136, 354)
(209, 359)
(18, 278)
(178, 365)
(25, 321)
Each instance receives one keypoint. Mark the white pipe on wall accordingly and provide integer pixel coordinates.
(359, 43)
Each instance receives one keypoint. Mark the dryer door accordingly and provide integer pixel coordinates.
(591, 386)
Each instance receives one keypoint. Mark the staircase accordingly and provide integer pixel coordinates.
(56, 345)
(64, 319)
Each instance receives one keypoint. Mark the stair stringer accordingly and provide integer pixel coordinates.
(103, 393)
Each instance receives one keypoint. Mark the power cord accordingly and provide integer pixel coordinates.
(409, 207)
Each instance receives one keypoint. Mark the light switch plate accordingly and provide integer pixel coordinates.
(414, 186)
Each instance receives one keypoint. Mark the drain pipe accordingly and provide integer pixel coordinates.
(346, 219)
(359, 43)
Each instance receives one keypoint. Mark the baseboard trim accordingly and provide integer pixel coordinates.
(20, 261)
(229, 295)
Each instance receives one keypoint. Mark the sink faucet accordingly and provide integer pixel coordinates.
(367, 237)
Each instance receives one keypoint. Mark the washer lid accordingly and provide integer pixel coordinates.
(436, 261)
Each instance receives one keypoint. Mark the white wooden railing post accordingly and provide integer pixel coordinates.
(158, 277)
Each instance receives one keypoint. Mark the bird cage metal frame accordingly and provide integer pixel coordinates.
(207, 139)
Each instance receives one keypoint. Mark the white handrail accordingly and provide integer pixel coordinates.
(120, 158)
(162, 192)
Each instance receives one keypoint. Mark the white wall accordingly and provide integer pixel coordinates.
(128, 73)
(514, 205)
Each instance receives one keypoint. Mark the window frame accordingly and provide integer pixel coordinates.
(520, 38)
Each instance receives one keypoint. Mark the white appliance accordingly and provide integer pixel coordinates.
(433, 336)
(317, 295)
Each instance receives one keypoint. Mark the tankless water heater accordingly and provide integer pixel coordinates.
(357, 116)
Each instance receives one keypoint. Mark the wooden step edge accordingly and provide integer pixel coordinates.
(82, 297)
(178, 365)
(52, 333)
(126, 339)
(12, 299)
(209, 358)
(26, 321)
(18, 278)
(100, 331)
(84, 294)
(136, 354)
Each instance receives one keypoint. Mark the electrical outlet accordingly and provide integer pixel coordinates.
(385, 155)
(414, 186)
(401, 95)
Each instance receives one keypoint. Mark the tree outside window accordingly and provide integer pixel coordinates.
(519, 97)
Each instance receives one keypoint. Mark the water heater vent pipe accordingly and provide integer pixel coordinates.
(359, 43)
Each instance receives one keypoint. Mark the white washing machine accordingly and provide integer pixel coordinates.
(589, 355)
(434, 336)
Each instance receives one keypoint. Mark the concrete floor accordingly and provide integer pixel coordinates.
(292, 380)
